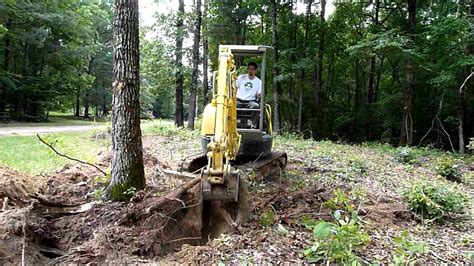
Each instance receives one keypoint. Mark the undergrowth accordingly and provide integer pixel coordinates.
(435, 200)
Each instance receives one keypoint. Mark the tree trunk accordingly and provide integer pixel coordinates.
(406, 137)
(319, 113)
(319, 62)
(276, 83)
(356, 98)
(463, 111)
(77, 109)
(86, 104)
(6, 63)
(194, 76)
(205, 58)
(303, 74)
(127, 172)
(179, 79)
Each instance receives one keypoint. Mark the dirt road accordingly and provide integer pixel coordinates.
(32, 130)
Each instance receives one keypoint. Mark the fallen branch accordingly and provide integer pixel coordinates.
(68, 157)
(179, 174)
(173, 194)
(182, 239)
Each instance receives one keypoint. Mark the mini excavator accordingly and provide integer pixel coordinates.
(231, 138)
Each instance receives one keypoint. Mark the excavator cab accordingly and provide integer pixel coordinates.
(230, 134)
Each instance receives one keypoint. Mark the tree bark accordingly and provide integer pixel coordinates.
(463, 121)
(371, 80)
(179, 79)
(276, 83)
(77, 108)
(205, 57)
(303, 74)
(6, 63)
(318, 73)
(406, 137)
(194, 76)
(86, 104)
(127, 172)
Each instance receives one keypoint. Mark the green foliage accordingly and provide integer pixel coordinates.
(407, 250)
(449, 168)
(336, 241)
(267, 218)
(433, 200)
(358, 165)
(345, 201)
(406, 155)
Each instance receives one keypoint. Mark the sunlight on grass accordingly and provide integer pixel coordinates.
(26, 153)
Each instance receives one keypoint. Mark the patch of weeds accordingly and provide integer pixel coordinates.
(335, 241)
(407, 251)
(340, 200)
(449, 168)
(169, 131)
(358, 165)
(345, 201)
(432, 200)
(267, 218)
(406, 155)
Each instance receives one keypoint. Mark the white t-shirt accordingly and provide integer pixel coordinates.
(247, 89)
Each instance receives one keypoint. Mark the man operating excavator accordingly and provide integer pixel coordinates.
(249, 88)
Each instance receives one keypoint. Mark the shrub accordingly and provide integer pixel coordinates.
(448, 168)
(405, 155)
(434, 200)
(335, 241)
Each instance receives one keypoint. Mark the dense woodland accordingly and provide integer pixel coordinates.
(389, 71)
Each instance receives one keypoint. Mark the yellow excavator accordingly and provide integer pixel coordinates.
(232, 139)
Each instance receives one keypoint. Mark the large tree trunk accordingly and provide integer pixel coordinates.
(179, 80)
(276, 83)
(127, 173)
(406, 137)
(194, 76)
(205, 57)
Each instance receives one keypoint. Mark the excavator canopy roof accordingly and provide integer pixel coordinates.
(247, 50)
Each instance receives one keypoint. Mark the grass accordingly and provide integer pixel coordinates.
(60, 120)
(26, 154)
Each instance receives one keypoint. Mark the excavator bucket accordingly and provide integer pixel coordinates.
(228, 191)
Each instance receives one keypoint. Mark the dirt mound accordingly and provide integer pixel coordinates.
(15, 187)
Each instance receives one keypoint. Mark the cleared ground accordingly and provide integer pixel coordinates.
(369, 175)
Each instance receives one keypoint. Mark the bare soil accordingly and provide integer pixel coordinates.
(59, 218)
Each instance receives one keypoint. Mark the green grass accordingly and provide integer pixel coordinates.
(60, 120)
(28, 155)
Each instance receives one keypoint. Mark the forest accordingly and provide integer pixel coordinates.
(135, 132)
(389, 71)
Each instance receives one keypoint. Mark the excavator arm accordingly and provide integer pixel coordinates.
(220, 179)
